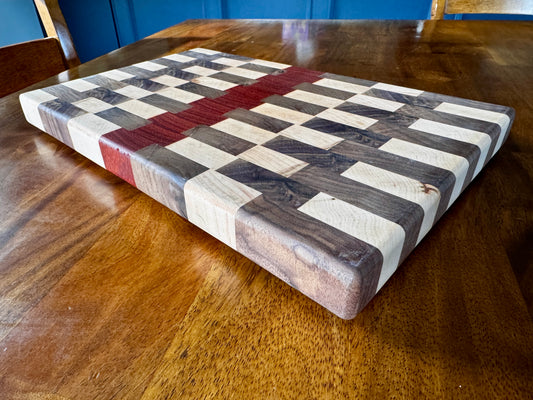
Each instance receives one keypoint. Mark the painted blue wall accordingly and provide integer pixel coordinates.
(18, 22)
(266, 9)
(91, 25)
(382, 9)
(136, 19)
(100, 26)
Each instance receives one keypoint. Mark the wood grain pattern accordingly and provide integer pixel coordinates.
(381, 233)
(451, 162)
(369, 199)
(443, 142)
(310, 136)
(164, 173)
(55, 118)
(480, 139)
(244, 131)
(202, 153)
(213, 201)
(426, 196)
(441, 7)
(273, 160)
(19, 68)
(87, 129)
(160, 309)
(229, 144)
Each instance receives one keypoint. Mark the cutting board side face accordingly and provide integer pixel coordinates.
(327, 181)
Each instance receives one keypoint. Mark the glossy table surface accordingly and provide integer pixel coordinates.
(105, 293)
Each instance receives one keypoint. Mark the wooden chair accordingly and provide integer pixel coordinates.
(441, 7)
(24, 64)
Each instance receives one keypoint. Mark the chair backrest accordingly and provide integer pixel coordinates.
(24, 64)
(441, 7)
(55, 26)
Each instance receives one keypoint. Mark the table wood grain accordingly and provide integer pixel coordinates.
(104, 293)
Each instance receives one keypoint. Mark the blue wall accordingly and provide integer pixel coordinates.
(18, 22)
(99, 26)
(135, 19)
(91, 24)
(383, 9)
(300, 9)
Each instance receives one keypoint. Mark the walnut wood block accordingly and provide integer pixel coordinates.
(334, 224)
(105, 293)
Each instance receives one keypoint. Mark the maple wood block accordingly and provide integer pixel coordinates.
(328, 182)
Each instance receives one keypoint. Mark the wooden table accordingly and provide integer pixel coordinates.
(104, 293)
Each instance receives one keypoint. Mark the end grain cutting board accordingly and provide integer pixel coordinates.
(326, 181)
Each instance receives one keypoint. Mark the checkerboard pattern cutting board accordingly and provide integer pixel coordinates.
(326, 181)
